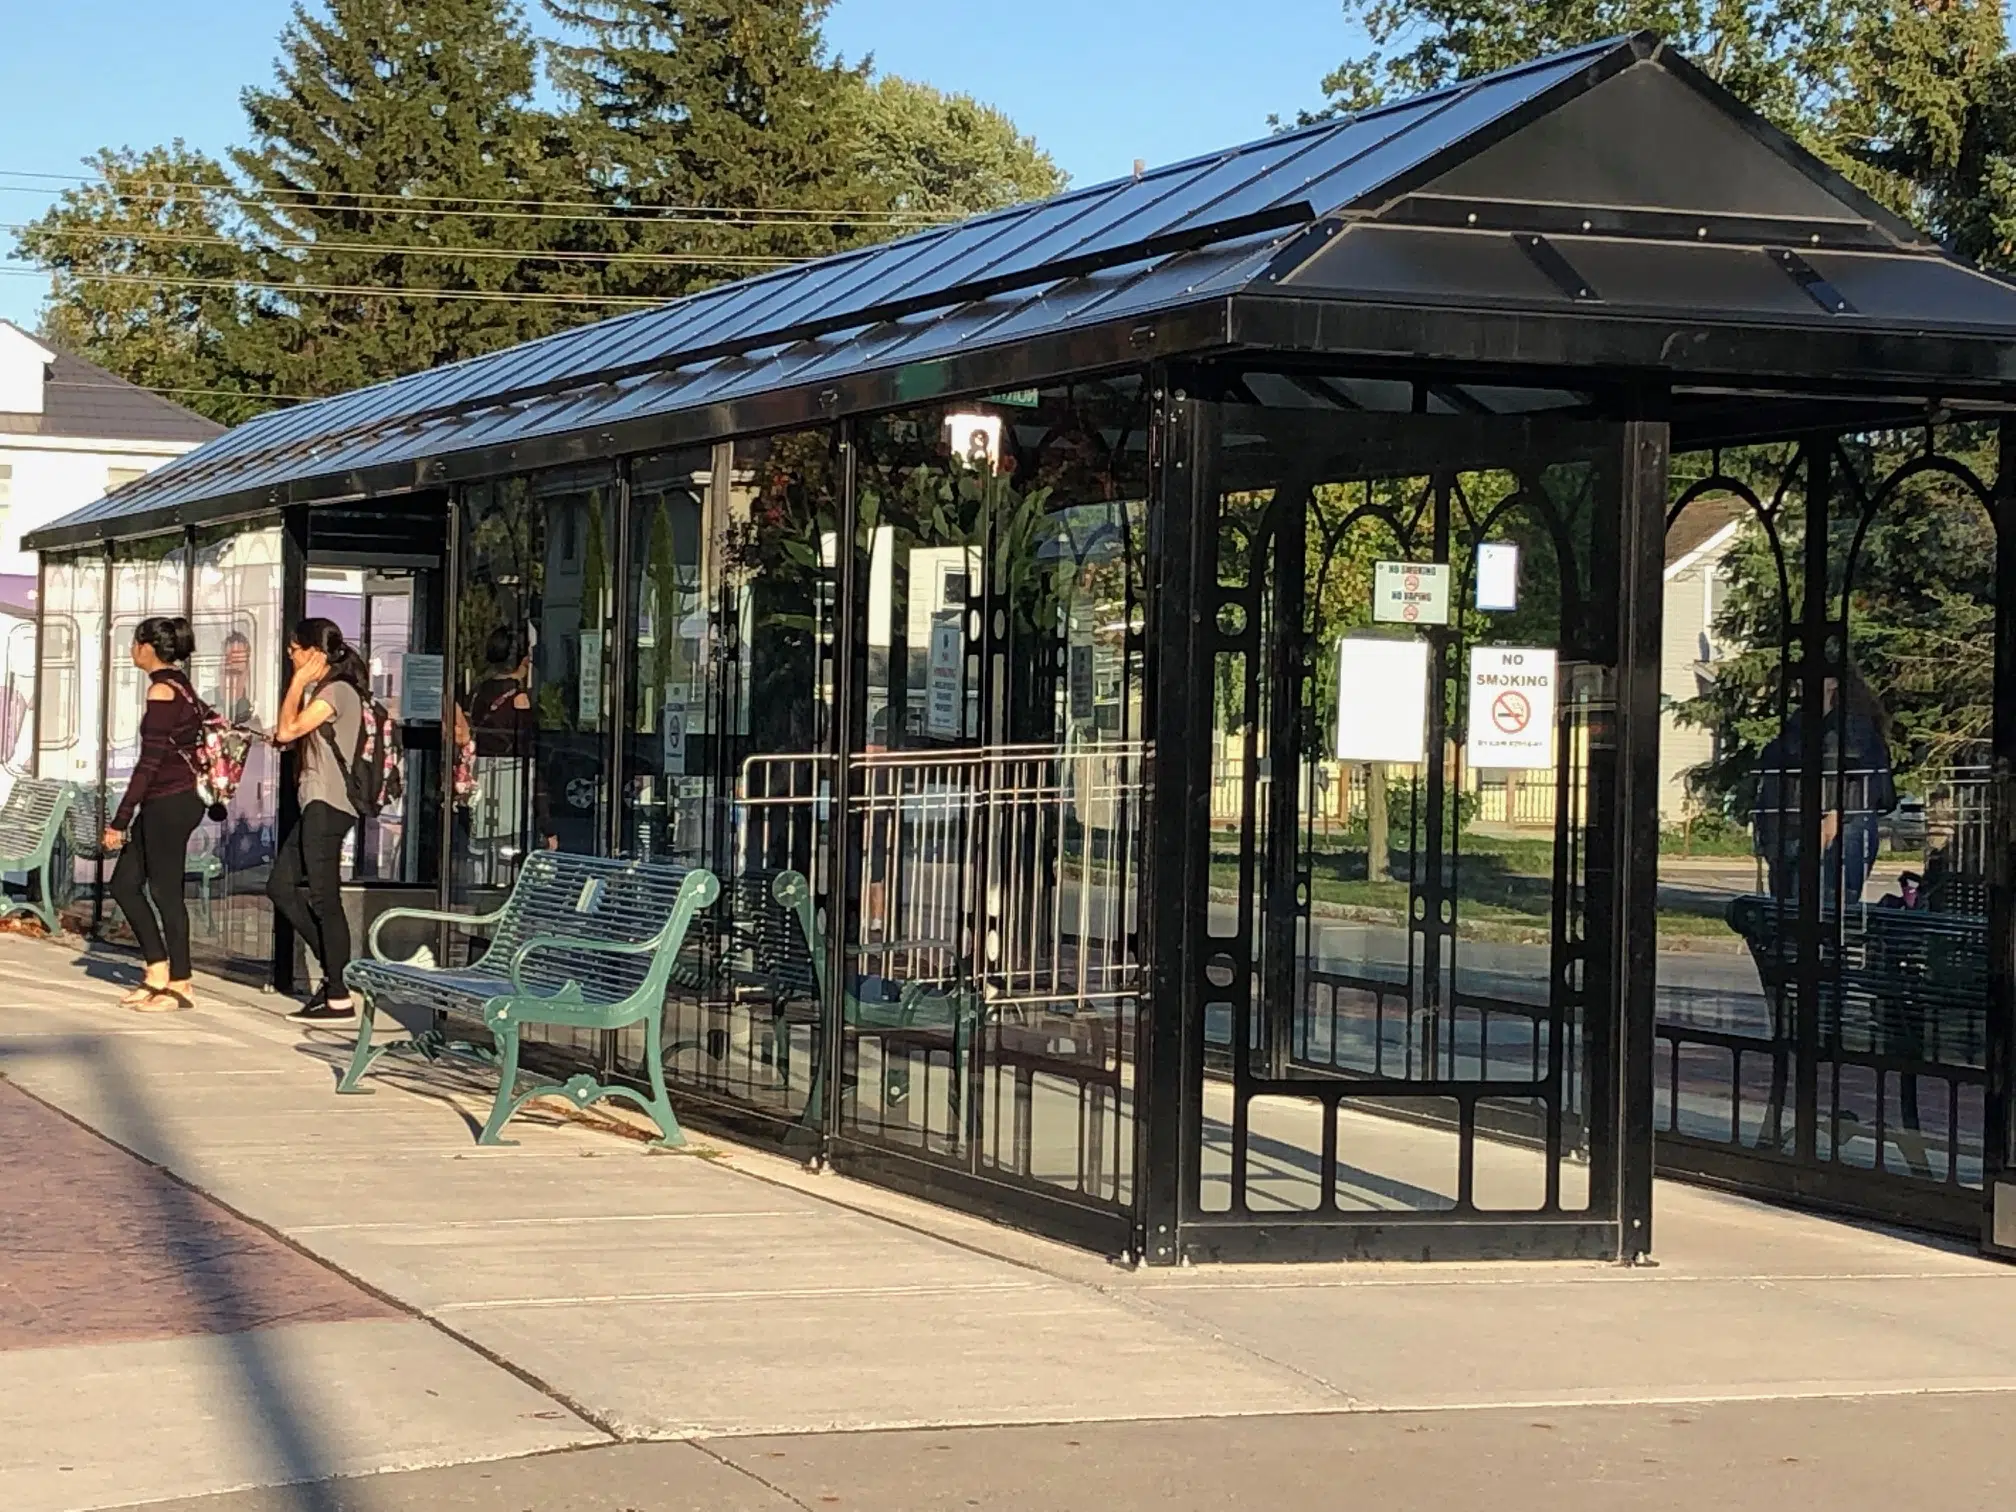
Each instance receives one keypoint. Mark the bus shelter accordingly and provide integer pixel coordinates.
(1336, 699)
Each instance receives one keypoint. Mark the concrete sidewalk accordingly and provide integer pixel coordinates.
(580, 1293)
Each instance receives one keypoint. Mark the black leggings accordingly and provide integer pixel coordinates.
(147, 879)
(307, 888)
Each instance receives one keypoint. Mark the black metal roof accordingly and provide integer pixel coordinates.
(1607, 208)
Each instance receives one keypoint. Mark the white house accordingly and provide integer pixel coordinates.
(70, 432)
(1697, 546)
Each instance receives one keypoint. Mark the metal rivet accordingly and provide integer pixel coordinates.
(1473, 217)
(1816, 238)
(1702, 232)
(1585, 225)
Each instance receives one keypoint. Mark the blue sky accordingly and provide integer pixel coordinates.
(1098, 82)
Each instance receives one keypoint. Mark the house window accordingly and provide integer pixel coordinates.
(119, 477)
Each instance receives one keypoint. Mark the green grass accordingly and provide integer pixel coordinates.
(1505, 889)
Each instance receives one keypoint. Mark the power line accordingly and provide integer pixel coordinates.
(648, 259)
(339, 199)
(367, 290)
(157, 389)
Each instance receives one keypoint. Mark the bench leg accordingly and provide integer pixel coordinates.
(362, 1056)
(670, 1135)
(507, 1086)
(44, 885)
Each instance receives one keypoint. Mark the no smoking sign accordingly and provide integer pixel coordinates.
(1410, 593)
(1512, 707)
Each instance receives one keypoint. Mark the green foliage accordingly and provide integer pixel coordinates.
(939, 154)
(145, 273)
(395, 134)
(401, 146)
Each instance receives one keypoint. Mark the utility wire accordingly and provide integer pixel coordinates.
(180, 238)
(342, 199)
(208, 392)
(378, 291)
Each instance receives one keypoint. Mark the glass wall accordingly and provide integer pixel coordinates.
(994, 814)
(531, 674)
(734, 584)
(1824, 959)
(236, 614)
(531, 660)
(68, 691)
(149, 578)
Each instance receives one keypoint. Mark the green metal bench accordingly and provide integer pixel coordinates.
(917, 1008)
(31, 823)
(85, 831)
(582, 942)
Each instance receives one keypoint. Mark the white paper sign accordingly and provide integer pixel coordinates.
(1382, 701)
(943, 702)
(591, 679)
(420, 688)
(1410, 593)
(1511, 707)
(1497, 576)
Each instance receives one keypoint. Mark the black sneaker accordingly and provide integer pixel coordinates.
(325, 1009)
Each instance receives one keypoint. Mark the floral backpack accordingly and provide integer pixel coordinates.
(218, 755)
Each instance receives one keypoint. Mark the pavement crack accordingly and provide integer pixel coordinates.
(747, 1472)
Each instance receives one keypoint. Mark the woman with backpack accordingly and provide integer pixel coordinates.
(156, 817)
(322, 718)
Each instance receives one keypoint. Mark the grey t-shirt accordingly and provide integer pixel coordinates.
(322, 779)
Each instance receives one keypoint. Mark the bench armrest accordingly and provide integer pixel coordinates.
(572, 942)
(429, 915)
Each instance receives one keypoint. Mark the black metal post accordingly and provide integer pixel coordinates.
(451, 629)
(293, 609)
(619, 623)
(1813, 668)
(842, 733)
(1286, 672)
(1634, 827)
(104, 735)
(1176, 682)
(1998, 1140)
(41, 670)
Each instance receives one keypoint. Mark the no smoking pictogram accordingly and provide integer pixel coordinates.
(1511, 712)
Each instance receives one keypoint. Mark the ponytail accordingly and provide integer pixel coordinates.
(171, 639)
(326, 636)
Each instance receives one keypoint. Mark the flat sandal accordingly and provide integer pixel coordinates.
(166, 1000)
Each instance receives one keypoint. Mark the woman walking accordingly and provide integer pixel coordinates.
(322, 717)
(155, 819)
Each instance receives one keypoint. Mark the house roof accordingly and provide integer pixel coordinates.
(82, 401)
(1700, 522)
(1608, 208)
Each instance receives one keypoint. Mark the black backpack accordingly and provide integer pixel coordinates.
(373, 775)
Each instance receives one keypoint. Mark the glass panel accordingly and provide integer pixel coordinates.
(1401, 872)
(67, 689)
(996, 817)
(531, 665)
(730, 724)
(666, 719)
(531, 677)
(149, 578)
(236, 616)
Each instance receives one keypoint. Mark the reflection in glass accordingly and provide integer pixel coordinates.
(236, 616)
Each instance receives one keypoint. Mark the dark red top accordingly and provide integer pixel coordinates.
(169, 731)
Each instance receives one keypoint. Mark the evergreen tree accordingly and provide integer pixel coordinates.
(147, 268)
(399, 150)
(718, 133)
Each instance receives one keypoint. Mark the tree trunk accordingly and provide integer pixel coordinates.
(1377, 866)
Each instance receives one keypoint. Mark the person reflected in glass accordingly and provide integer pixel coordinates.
(159, 812)
(1858, 787)
(322, 720)
(235, 682)
(504, 731)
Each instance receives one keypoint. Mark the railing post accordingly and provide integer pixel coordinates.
(840, 738)
(1998, 1133)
